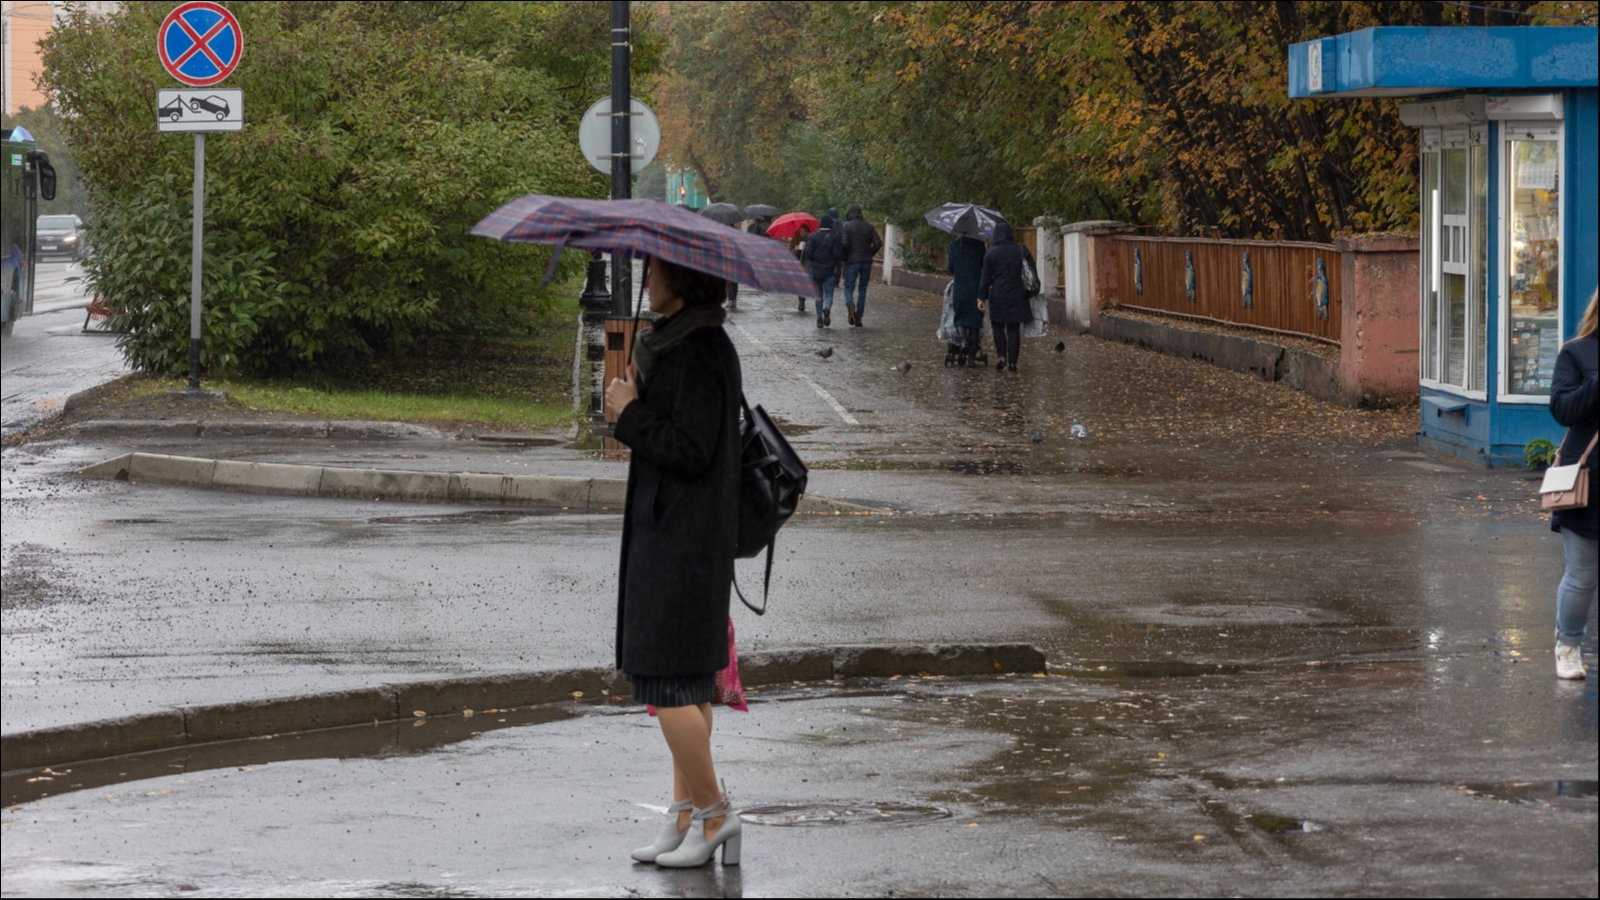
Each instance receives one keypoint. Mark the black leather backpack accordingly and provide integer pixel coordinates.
(772, 479)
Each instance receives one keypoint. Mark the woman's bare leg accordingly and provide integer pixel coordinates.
(688, 733)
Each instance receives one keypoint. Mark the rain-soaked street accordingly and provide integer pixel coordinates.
(1289, 653)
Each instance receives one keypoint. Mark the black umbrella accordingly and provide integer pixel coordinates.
(726, 213)
(968, 219)
(762, 211)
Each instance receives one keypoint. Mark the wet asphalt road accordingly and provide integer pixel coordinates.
(1373, 627)
(47, 357)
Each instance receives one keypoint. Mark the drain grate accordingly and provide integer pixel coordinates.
(812, 814)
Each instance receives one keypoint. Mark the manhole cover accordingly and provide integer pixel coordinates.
(809, 814)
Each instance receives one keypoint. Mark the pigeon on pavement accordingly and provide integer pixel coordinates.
(1078, 431)
(1036, 436)
(824, 352)
(902, 368)
(1061, 346)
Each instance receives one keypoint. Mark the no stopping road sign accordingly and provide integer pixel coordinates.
(200, 43)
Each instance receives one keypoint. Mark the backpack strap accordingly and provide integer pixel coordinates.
(766, 587)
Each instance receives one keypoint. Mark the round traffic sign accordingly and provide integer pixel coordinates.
(200, 43)
(594, 135)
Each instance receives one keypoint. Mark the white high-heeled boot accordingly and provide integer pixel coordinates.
(696, 850)
(670, 836)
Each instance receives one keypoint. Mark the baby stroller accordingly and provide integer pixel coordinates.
(963, 346)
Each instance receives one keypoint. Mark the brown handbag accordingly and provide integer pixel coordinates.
(1567, 487)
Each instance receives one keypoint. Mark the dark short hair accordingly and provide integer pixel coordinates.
(694, 286)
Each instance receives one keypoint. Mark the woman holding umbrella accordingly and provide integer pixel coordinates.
(678, 411)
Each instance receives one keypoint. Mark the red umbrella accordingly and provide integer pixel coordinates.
(787, 224)
(640, 228)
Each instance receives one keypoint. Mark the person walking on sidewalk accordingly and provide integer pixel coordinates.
(677, 410)
(1002, 293)
(1575, 403)
(824, 256)
(964, 261)
(861, 243)
(797, 246)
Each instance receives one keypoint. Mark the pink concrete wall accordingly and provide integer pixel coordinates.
(1378, 353)
(1102, 276)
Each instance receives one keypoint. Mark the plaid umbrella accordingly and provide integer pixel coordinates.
(640, 228)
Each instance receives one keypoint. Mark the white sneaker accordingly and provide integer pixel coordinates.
(1569, 662)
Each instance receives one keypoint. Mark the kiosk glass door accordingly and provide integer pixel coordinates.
(1455, 178)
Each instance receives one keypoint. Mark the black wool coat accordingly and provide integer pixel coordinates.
(1000, 283)
(682, 516)
(1575, 403)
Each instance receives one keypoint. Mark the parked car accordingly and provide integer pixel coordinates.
(172, 111)
(60, 236)
(211, 104)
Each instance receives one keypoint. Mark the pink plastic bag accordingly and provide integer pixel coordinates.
(730, 690)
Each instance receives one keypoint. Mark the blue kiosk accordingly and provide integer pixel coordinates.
(1510, 198)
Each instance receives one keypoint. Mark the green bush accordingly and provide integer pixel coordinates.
(1539, 454)
(337, 221)
(142, 251)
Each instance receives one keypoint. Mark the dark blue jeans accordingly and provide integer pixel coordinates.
(825, 286)
(857, 273)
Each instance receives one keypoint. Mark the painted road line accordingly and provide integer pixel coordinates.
(821, 391)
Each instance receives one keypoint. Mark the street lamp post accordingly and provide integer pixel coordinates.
(621, 141)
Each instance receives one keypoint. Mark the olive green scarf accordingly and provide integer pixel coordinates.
(663, 334)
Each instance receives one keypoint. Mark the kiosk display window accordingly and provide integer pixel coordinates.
(1533, 261)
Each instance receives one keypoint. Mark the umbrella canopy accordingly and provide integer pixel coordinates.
(726, 213)
(640, 228)
(788, 223)
(965, 219)
(761, 211)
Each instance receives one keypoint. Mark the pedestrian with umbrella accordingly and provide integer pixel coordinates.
(678, 411)
(729, 215)
(796, 228)
(824, 256)
(1003, 292)
(964, 261)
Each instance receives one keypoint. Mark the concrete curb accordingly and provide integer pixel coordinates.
(1266, 359)
(593, 494)
(334, 428)
(173, 728)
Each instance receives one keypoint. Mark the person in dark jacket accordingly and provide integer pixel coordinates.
(824, 256)
(677, 409)
(861, 243)
(1001, 293)
(1575, 403)
(964, 261)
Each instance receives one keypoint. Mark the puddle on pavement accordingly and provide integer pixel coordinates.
(478, 516)
(1577, 794)
(804, 815)
(1284, 825)
(386, 739)
(1152, 669)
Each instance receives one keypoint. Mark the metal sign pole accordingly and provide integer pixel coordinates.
(621, 146)
(194, 275)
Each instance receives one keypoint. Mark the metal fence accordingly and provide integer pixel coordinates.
(1283, 286)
